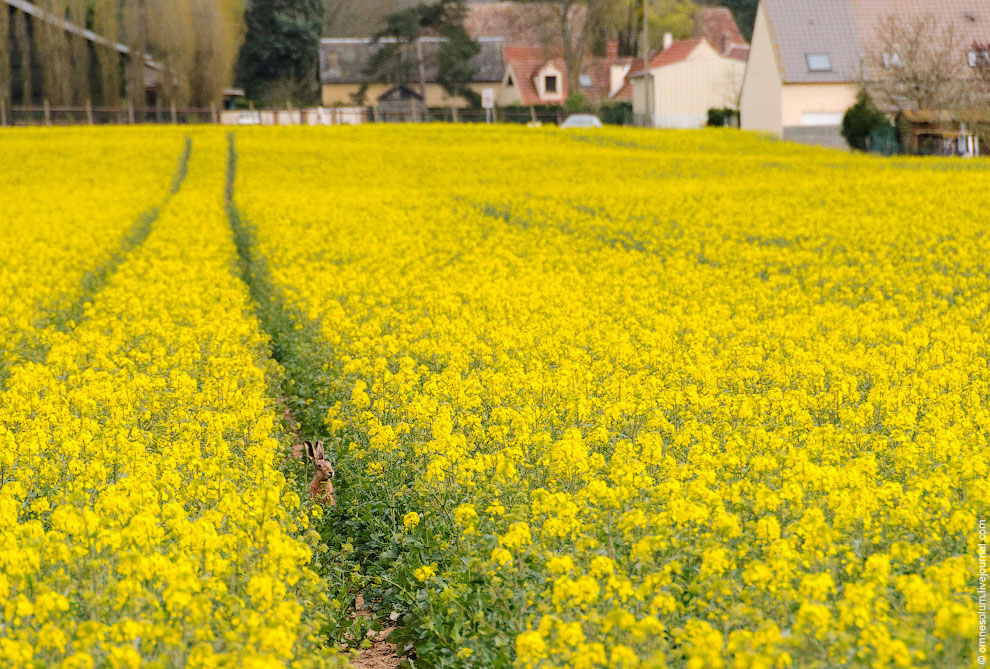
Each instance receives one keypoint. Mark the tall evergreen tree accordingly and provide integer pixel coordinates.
(396, 59)
(278, 62)
(745, 13)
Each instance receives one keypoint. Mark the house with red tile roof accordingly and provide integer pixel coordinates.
(681, 83)
(719, 27)
(538, 76)
(521, 58)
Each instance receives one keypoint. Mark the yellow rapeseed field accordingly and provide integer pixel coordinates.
(645, 399)
(144, 520)
(595, 399)
(63, 209)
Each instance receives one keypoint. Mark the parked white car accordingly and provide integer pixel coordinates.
(581, 121)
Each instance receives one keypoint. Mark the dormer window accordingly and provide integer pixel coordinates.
(979, 57)
(550, 83)
(819, 62)
(333, 62)
(892, 60)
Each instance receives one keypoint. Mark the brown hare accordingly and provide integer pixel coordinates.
(320, 488)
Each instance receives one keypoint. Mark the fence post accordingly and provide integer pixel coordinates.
(89, 111)
(3, 112)
(453, 114)
(213, 113)
(130, 112)
(532, 114)
(48, 113)
(175, 115)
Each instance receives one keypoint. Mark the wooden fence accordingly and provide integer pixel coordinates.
(49, 115)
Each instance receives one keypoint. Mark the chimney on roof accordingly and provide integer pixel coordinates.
(612, 49)
(668, 40)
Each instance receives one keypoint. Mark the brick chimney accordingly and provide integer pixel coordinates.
(612, 49)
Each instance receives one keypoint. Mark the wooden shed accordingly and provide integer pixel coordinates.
(944, 133)
(400, 104)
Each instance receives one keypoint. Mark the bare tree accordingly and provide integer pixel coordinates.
(171, 41)
(190, 44)
(219, 32)
(577, 23)
(24, 57)
(79, 53)
(979, 57)
(106, 23)
(53, 42)
(5, 70)
(729, 89)
(136, 33)
(917, 64)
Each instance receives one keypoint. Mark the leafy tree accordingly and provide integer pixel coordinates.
(398, 58)
(576, 102)
(666, 16)
(280, 51)
(862, 122)
(671, 16)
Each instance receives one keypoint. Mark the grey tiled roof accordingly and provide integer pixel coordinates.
(802, 27)
(352, 54)
(846, 29)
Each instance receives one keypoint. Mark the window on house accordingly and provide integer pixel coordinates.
(508, 82)
(585, 80)
(819, 62)
(892, 60)
(550, 84)
(979, 57)
(333, 62)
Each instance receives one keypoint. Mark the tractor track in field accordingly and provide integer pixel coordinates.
(292, 335)
(68, 317)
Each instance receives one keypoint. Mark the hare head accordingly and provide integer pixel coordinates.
(320, 487)
(324, 470)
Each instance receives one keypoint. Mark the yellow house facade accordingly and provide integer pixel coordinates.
(343, 59)
(808, 59)
(340, 94)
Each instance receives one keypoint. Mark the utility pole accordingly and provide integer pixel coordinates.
(644, 46)
(644, 53)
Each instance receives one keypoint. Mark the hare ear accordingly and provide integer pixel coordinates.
(309, 450)
(320, 454)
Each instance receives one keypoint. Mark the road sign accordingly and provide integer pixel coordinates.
(488, 98)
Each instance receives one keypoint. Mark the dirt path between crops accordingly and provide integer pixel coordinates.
(381, 654)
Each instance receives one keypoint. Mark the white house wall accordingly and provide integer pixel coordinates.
(685, 91)
(761, 105)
